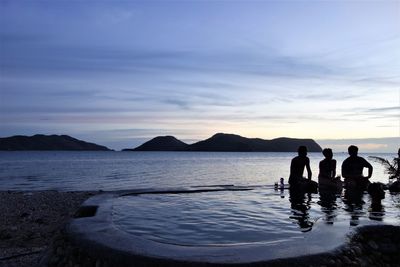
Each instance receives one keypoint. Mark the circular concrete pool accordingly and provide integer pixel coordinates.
(222, 224)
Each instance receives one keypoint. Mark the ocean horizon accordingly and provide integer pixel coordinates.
(113, 170)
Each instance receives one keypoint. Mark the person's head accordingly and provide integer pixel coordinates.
(302, 150)
(353, 150)
(327, 152)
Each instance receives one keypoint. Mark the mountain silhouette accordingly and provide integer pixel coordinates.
(47, 142)
(161, 143)
(229, 143)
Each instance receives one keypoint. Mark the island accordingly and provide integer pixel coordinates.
(47, 142)
(222, 142)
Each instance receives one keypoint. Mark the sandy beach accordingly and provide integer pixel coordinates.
(30, 221)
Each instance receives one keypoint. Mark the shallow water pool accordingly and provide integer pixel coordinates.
(261, 215)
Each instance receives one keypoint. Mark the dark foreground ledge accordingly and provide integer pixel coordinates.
(376, 245)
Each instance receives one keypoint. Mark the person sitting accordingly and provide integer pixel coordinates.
(352, 170)
(327, 171)
(297, 166)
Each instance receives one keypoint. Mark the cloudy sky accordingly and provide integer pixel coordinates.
(119, 73)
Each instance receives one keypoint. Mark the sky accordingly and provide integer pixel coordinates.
(121, 72)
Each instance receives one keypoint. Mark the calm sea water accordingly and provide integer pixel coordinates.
(42, 170)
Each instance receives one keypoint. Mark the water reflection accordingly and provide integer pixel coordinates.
(376, 211)
(353, 200)
(300, 203)
(327, 201)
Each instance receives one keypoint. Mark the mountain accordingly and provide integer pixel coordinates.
(47, 142)
(229, 143)
(232, 142)
(161, 143)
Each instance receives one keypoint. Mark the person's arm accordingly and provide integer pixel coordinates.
(308, 169)
(333, 169)
(344, 170)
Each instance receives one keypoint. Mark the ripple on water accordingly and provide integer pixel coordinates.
(234, 217)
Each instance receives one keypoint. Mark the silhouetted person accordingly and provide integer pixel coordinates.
(352, 170)
(297, 167)
(327, 172)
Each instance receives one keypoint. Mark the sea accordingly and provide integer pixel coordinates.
(112, 170)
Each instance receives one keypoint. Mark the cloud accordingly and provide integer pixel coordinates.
(384, 144)
(383, 109)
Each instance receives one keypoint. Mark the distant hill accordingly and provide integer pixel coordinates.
(229, 143)
(232, 142)
(47, 142)
(161, 143)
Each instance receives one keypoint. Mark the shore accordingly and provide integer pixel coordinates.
(32, 229)
(30, 221)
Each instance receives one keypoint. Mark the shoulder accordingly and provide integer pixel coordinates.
(365, 162)
(361, 159)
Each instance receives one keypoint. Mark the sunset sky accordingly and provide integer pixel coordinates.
(119, 73)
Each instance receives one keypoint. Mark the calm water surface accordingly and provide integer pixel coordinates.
(41, 170)
(262, 215)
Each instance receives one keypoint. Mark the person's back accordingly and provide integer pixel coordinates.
(352, 169)
(297, 166)
(327, 167)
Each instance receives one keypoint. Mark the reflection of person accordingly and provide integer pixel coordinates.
(353, 200)
(352, 169)
(300, 206)
(297, 167)
(376, 210)
(327, 201)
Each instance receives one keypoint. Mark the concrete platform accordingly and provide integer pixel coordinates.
(93, 229)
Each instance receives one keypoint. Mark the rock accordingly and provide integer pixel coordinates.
(338, 263)
(373, 244)
(25, 214)
(357, 250)
(60, 251)
(346, 260)
(331, 262)
(388, 248)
